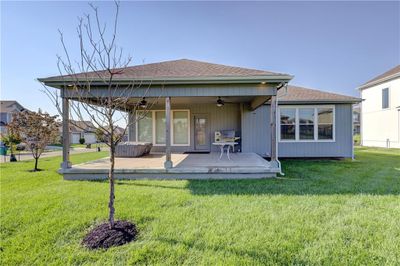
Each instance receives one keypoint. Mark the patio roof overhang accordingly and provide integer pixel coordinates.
(253, 90)
(62, 81)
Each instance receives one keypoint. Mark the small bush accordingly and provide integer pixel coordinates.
(82, 140)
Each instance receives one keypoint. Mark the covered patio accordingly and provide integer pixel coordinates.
(194, 91)
(185, 166)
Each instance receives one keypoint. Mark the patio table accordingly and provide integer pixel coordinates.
(223, 144)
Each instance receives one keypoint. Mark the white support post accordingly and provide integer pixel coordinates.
(273, 130)
(65, 133)
(168, 162)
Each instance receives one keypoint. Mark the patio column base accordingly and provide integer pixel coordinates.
(274, 163)
(168, 164)
(65, 165)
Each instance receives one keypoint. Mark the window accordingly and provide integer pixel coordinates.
(306, 123)
(151, 127)
(288, 123)
(385, 98)
(145, 127)
(180, 121)
(160, 127)
(325, 123)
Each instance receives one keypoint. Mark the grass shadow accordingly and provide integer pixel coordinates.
(375, 174)
(260, 256)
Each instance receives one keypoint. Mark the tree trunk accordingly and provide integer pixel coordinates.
(12, 155)
(35, 154)
(36, 164)
(111, 181)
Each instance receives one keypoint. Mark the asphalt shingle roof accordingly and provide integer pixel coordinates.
(9, 106)
(81, 126)
(392, 72)
(301, 94)
(183, 68)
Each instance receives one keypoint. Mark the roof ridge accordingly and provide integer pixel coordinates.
(206, 63)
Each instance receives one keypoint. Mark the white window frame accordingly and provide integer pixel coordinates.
(153, 120)
(297, 124)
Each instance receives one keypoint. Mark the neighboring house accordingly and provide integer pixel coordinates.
(119, 131)
(207, 99)
(380, 110)
(7, 108)
(82, 129)
(356, 119)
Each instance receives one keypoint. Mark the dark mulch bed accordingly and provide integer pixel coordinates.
(104, 237)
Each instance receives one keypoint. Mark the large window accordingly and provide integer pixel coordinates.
(151, 128)
(325, 123)
(304, 123)
(180, 131)
(145, 127)
(385, 98)
(160, 127)
(288, 123)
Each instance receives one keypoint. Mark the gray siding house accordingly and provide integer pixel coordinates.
(7, 108)
(265, 115)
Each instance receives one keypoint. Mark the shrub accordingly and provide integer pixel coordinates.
(82, 140)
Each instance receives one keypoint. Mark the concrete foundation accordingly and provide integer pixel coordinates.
(185, 166)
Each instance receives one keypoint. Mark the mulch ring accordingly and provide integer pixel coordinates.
(103, 237)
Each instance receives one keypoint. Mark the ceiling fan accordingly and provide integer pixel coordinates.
(221, 102)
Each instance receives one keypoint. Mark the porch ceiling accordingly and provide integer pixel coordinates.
(193, 100)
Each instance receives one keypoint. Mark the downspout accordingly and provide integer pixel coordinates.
(276, 125)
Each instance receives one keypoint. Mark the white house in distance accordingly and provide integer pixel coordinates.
(380, 110)
(82, 129)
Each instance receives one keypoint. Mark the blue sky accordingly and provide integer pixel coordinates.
(333, 46)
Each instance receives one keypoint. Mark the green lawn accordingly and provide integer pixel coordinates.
(321, 212)
(94, 145)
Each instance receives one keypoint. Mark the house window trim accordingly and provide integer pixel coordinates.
(153, 121)
(297, 124)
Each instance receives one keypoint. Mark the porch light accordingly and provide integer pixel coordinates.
(263, 82)
(220, 102)
(143, 103)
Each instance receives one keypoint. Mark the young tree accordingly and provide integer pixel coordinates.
(37, 130)
(101, 60)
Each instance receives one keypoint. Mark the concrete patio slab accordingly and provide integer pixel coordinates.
(185, 166)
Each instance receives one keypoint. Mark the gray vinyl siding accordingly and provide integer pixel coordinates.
(225, 118)
(183, 91)
(256, 130)
(256, 136)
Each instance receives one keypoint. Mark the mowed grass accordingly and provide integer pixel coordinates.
(321, 213)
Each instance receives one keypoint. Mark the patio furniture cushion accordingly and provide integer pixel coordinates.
(132, 149)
